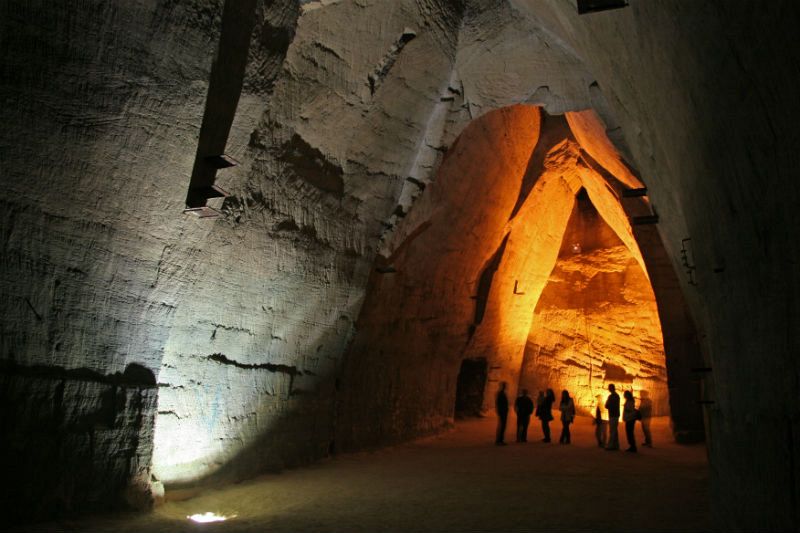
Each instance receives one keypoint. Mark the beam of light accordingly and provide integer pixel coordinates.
(205, 518)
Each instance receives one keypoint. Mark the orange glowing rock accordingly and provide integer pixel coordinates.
(461, 277)
(596, 322)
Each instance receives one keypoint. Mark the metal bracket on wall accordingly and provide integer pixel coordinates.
(224, 89)
(198, 196)
(516, 282)
(221, 161)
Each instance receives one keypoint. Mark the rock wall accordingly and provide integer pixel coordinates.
(242, 319)
(480, 246)
(704, 94)
(596, 322)
(346, 112)
(445, 293)
(102, 105)
(72, 437)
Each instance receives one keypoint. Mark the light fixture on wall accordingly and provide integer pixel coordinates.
(576, 248)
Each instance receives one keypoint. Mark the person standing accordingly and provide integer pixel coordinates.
(600, 429)
(612, 406)
(567, 408)
(645, 413)
(523, 407)
(544, 411)
(501, 406)
(629, 416)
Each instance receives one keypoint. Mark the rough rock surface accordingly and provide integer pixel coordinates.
(72, 437)
(347, 109)
(478, 250)
(596, 322)
(704, 93)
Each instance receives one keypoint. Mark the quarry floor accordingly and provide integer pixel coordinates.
(457, 481)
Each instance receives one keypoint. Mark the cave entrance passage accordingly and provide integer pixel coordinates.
(470, 387)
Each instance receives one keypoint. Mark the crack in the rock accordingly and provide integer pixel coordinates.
(328, 49)
(232, 328)
(271, 367)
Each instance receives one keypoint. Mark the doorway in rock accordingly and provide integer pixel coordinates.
(469, 387)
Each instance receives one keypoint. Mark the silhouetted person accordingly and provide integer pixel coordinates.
(612, 406)
(629, 416)
(567, 408)
(600, 427)
(544, 411)
(645, 414)
(501, 405)
(523, 407)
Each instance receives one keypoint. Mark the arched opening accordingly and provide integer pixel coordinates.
(470, 387)
(473, 273)
(596, 322)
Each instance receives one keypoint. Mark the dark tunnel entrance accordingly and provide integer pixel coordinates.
(470, 387)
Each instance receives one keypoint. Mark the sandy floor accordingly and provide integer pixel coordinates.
(458, 481)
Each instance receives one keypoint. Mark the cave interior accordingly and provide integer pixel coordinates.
(243, 236)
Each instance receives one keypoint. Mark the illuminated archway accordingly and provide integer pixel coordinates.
(596, 321)
(467, 266)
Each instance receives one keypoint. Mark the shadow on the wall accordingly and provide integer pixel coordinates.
(74, 440)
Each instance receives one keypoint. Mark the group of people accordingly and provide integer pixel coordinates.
(606, 432)
(524, 408)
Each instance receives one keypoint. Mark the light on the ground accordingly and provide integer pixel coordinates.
(208, 517)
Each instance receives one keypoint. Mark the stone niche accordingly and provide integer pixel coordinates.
(596, 321)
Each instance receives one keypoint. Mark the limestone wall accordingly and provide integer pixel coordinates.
(704, 94)
(596, 322)
(481, 244)
(72, 437)
(242, 319)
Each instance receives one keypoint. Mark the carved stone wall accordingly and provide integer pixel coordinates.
(348, 110)
(596, 322)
